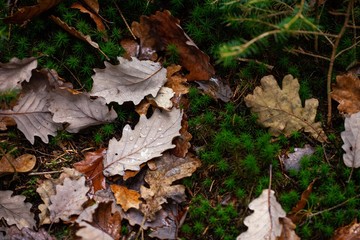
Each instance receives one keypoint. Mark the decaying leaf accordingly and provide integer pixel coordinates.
(128, 81)
(126, 198)
(143, 107)
(288, 231)
(68, 199)
(13, 73)
(348, 232)
(27, 13)
(351, 141)
(158, 31)
(281, 109)
(6, 122)
(292, 160)
(216, 88)
(347, 93)
(264, 222)
(13, 233)
(163, 98)
(79, 110)
(176, 81)
(131, 48)
(105, 225)
(93, 5)
(92, 167)
(164, 171)
(15, 211)
(148, 140)
(24, 163)
(182, 142)
(94, 16)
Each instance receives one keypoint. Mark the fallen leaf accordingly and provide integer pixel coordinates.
(94, 16)
(79, 110)
(13, 233)
(288, 231)
(164, 171)
(128, 81)
(176, 81)
(142, 107)
(158, 31)
(292, 160)
(13, 73)
(14, 210)
(68, 199)
(126, 198)
(6, 122)
(148, 140)
(92, 167)
(162, 99)
(25, 14)
(348, 232)
(24, 163)
(93, 5)
(347, 93)
(131, 48)
(281, 109)
(351, 140)
(182, 142)
(216, 88)
(264, 222)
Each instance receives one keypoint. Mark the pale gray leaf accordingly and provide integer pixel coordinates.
(89, 232)
(13, 233)
(351, 139)
(15, 72)
(148, 140)
(79, 110)
(15, 211)
(128, 81)
(292, 161)
(216, 89)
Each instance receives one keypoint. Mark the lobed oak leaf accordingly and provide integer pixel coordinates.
(13, 73)
(68, 199)
(175, 81)
(148, 140)
(23, 163)
(164, 171)
(131, 48)
(182, 142)
(126, 198)
(347, 93)
(288, 232)
(351, 141)
(348, 232)
(128, 81)
(14, 210)
(13, 233)
(157, 31)
(281, 110)
(264, 222)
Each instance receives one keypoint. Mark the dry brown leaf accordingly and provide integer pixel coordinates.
(176, 81)
(288, 231)
(348, 232)
(131, 48)
(164, 171)
(15, 211)
(347, 93)
(24, 163)
(182, 142)
(94, 16)
(158, 31)
(13, 73)
(13, 233)
(6, 122)
(142, 107)
(126, 198)
(25, 14)
(281, 110)
(216, 88)
(93, 5)
(92, 167)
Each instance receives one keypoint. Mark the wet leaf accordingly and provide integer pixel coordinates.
(347, 93)
(126, 198)
(148, 140)
(351, 141)
(281, 110)
(24, 163)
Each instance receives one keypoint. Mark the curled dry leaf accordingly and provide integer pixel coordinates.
(142, 107)
(92, 167)
(347, 93)
(176, 81)
(24, 163)
(216, 88)
(281, 109)
(94, 16)
(15, 211)
(25, 14)
(351, 141)
(93, 5)
(158, 31)
(348, 232)
(148, 140)
(164, 171)
(264, 222)
(126, 198)
(182, 142)
(13, 73)
(128, 81)
(68, 199)
(79, 110)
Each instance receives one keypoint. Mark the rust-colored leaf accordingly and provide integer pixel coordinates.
(158, 31)
(176, 81)
(6, 122)
(25, 14)
(347, 93)
(182, 142)
(288, 230)
(24, 163)
(296, 215)
(94, 16)
(131, 48)
(142, 107)
(126, 198)
(92, 167)
(93, 5)
(348, 232)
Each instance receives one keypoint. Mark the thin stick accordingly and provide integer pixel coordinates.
(123, 18)
(270, 67)
(301, 51)
(43, 173)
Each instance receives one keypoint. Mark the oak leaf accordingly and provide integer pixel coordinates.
(164, 171)
(264, 222)
(13, 233)
(351, 141)
(347, 93)
(13, 73)
(128, 81)
(162, 99)
(176, 81)
(182, 142)
(281, 110)
(93, 14)
(15, 211)
(292, 160)
(157, 31)
(23, 163)
(348, 232)
(148, 140)
(68, 199)
(288, 232)
(126, 198)
(216, 88)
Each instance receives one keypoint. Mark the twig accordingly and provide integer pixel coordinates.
(43, 173)
(346, 49)
(270, 67)
(301, 51)
(123, 18)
